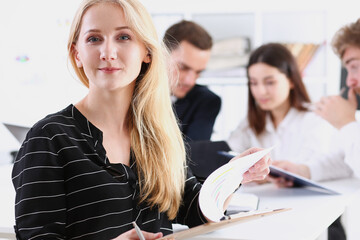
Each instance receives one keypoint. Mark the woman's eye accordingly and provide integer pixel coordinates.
(93, 39)
(124, 37)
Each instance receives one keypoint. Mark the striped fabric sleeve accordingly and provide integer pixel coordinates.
(189, 212)
(40, 206)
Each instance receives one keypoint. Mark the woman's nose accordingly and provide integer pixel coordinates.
(260, 89)
(108, 52)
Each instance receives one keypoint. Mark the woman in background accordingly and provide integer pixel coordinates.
(278, 116)
(117, 156)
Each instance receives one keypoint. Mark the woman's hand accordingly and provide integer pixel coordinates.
(260, 169)
(132, 235)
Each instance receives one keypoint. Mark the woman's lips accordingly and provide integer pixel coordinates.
(109, 69)
(263, 101)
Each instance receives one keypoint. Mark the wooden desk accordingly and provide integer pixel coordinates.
(312, 212)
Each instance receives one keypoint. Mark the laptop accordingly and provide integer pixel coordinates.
(19, 132)
(204, 157)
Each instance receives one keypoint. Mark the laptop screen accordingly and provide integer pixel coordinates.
(19, 132)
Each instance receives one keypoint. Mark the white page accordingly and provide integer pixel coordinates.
(223, 182)
(242, 202)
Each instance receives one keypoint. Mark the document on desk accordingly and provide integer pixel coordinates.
(232, 220)
(221, 183)
(298, 180)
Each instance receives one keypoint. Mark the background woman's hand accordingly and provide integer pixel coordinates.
(299, 169)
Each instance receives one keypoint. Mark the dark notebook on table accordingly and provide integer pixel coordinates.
(204, 157)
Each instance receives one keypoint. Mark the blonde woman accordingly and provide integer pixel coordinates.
(117, 156)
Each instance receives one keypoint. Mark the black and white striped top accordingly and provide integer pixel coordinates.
(67, 189)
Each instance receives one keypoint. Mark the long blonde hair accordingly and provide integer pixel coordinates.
(156, 140)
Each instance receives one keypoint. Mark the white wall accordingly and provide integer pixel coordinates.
(34, 75)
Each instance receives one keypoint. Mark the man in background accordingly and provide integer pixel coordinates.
(338, 111)
(195, 105)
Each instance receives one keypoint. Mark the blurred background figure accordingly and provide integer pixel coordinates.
(338, 111)
(278, 116)
(195, 105)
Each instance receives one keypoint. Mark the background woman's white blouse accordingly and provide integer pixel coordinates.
(302, 137)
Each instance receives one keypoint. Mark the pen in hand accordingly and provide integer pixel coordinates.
(138, 231)
(342, 90)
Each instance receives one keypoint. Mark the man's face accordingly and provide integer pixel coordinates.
(190, 61)
(351, 61)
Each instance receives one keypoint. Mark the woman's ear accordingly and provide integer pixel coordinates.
(147, 58)
(291, 84)
(76, 56)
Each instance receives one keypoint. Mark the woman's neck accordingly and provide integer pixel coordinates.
(278, 114)
(106, 110)
(109, 113)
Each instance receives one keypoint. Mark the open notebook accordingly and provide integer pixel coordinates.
(221, 183)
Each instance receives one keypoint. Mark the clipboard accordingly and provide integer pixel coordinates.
(300, 181)
(212, 226)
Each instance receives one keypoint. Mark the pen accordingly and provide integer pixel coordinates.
(342, 90)
(226, 154)
(138, 231)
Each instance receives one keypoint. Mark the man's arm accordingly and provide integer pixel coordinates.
(201, 126)
(350, 144)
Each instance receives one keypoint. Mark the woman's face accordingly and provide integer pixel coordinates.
(269, 87)
(107, 49)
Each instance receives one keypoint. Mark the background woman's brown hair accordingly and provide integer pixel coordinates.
(278, 56)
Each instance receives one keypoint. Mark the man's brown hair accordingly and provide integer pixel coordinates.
(187, 31)
(346, 36)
